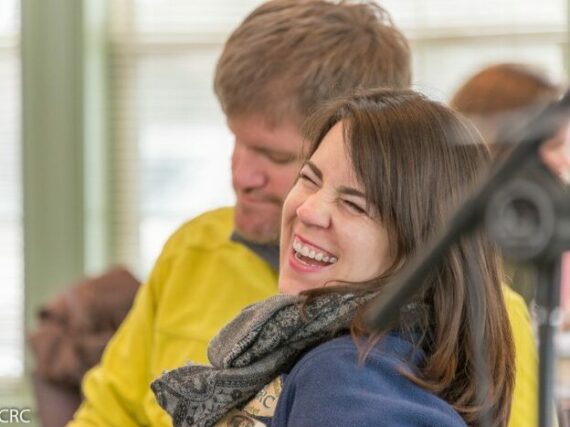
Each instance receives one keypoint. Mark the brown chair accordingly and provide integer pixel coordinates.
(72, 333)
(56, 403)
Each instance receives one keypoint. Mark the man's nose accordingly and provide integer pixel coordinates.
(315, 210)
(247, 171)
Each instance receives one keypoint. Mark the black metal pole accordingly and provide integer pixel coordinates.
(548, 299)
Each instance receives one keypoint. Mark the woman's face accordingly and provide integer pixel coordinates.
(327, 233)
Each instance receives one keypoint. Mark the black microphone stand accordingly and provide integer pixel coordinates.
(529, 217)
(548, 299)
(545, 219)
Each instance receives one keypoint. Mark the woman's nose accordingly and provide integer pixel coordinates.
(315, 211)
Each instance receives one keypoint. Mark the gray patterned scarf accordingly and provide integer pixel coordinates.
(263, 341)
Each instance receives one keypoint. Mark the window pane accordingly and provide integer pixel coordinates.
(441, 68)
(463, 14)
(184, 146)
(196, 16)
(9, 18)
(11, 248)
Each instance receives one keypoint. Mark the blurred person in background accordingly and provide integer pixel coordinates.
(496, 99)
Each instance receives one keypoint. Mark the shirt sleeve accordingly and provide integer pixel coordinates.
(329, 388)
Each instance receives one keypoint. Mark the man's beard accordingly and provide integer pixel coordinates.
(255, 228)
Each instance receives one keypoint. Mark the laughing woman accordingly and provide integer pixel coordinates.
(383, 172)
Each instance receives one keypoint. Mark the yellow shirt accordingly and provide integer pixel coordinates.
(524, 411)
(199, 283)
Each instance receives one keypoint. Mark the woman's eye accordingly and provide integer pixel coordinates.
(355, 207)
(306, 178)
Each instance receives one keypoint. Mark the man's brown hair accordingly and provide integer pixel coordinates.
(288, 56)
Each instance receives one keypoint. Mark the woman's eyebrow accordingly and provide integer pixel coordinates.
(343, 189)
(315, 169)
(351, 191)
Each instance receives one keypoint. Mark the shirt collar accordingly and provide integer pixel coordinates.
(269, 253)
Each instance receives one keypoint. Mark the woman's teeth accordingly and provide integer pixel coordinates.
(308, 252)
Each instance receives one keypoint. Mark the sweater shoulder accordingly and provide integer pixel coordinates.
(330, 386)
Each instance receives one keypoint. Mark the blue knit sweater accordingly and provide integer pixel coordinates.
(327, 387)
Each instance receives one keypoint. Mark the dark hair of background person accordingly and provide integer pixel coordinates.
(500, 95)
(269, 68)
(416, 159)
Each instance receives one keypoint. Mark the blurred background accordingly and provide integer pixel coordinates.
(111, 137)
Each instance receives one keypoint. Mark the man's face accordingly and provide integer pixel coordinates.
(265, 162)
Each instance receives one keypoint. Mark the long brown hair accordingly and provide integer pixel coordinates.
(416, 159)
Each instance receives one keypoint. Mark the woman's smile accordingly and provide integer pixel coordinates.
(306, 256)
